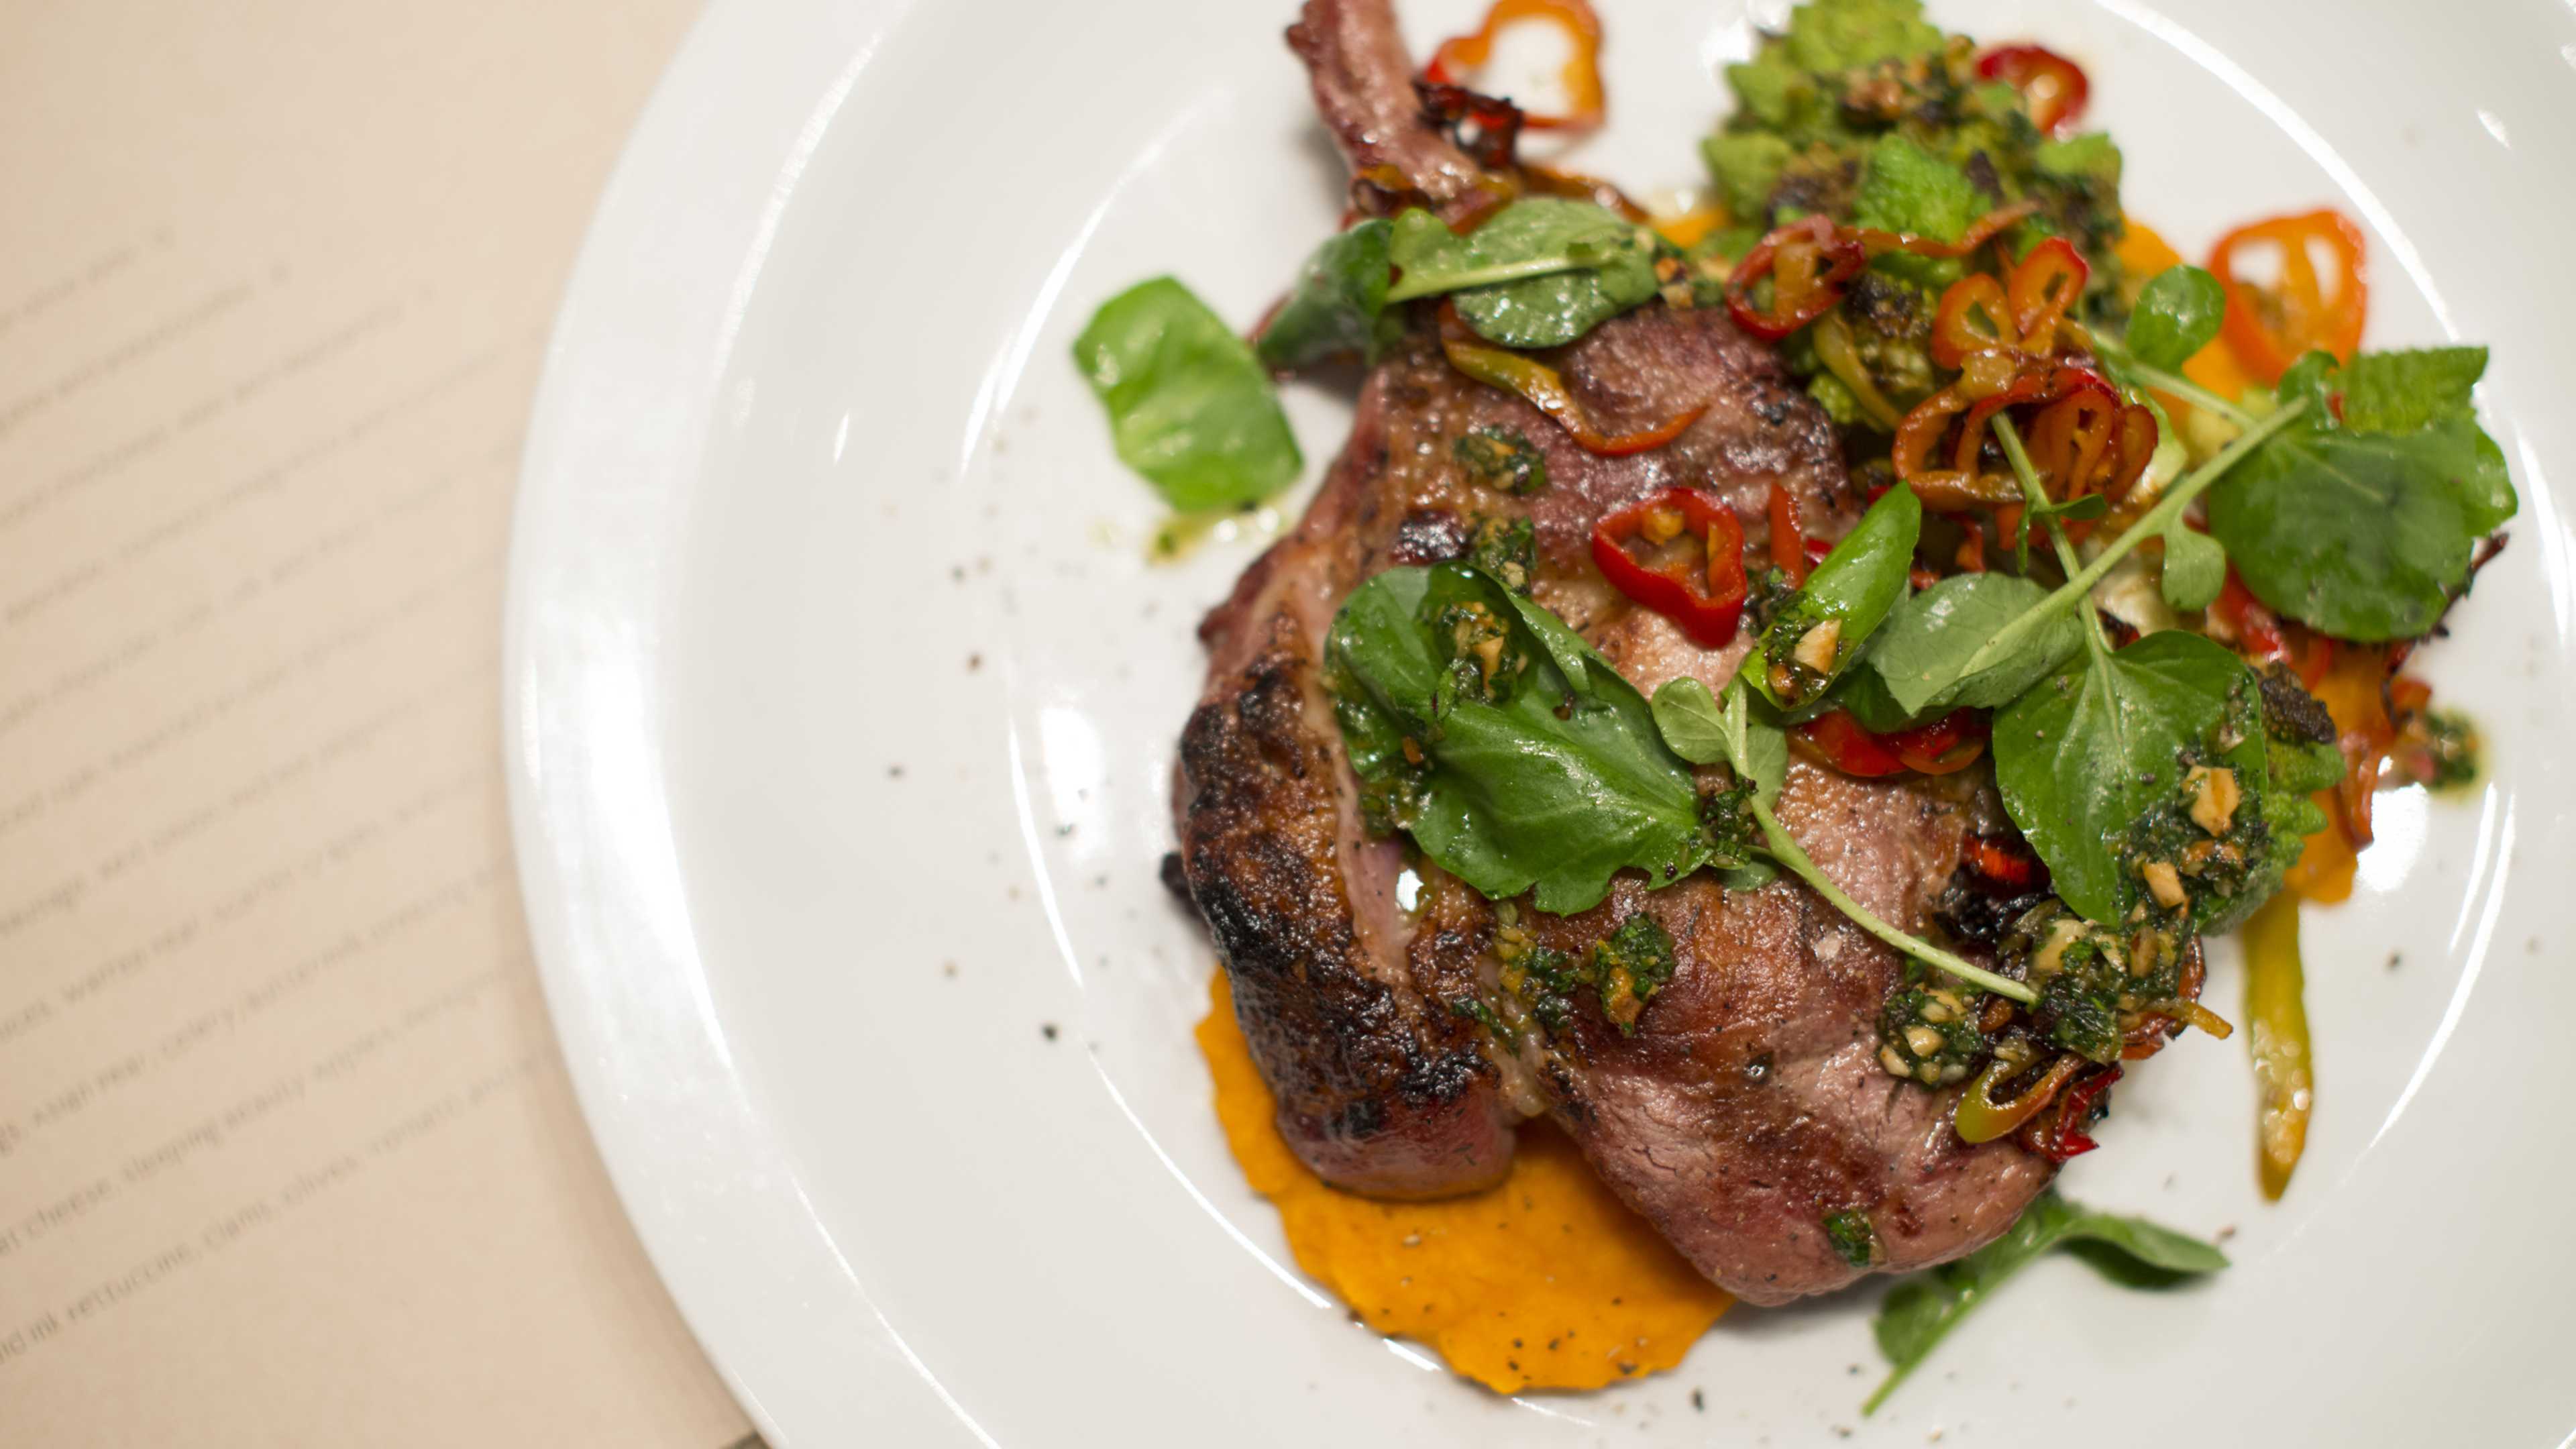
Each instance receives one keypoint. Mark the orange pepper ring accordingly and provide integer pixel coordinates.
(1461, 56)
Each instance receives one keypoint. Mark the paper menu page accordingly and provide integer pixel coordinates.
(286, 1152)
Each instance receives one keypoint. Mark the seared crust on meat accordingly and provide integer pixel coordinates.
(1377, 1093)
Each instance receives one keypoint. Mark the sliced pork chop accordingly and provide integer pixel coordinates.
(1748, 1105)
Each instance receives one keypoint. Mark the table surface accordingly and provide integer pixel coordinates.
(287, 1154)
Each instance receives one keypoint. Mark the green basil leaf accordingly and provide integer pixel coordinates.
(2195, 567)
(2363, 535)
(1924, 649)
(2177, 314)
(1738, 734)
(1338, 308)
(1920, 1311)
(1852, 590)
(1189, 406)
(1541, 272)
(1510, 797)
(2089, 749)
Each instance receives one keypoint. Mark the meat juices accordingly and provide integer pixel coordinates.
(1749, 1104)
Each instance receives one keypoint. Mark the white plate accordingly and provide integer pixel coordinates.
(835, 664)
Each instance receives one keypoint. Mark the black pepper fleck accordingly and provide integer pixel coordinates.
(1047, 1029)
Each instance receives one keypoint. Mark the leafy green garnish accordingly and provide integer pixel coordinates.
(2094, 746)
(2088, 158)
(1847, 596)
(1338, 308)
(1541, 272)
(1924, 649)
(2176, 315)
(1922, 1310)
(1544, 787)
(2195, 567)
(2364, 528)
(1189, 407)
(2398, 392)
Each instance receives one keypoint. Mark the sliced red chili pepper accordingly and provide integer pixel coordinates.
(2042, 287)
(1788, 541)
(2052, 86)
(1546, 390)
(1459, 56)
(1946, 746)
(1973, 317)
(1807, 261)
(2268, 328)
(2061, 1135)
(2002, 861)
(1838, 740)
(1875, 243)
(1706, 602)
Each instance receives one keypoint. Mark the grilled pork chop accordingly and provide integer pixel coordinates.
(1748, 1105)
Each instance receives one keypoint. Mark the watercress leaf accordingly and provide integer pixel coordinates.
(1509, 797)
(2195, 567)
(1338, 308)
(1850, 592)
(1554, 310)
(2089, 749)
(1737, 733)
(2176, 314)
(2363, 535)
(1189, 406)
(1924, 651)
(1692, 723)
(1541, 272)
(1863, 694)
(1564, 647)
(1920, 1311)
(2399, 392)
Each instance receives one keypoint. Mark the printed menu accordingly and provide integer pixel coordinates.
(287, 1154)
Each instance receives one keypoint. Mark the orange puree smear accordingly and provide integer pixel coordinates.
(1545, 1281)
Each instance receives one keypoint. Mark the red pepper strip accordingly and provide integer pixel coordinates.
(1458, 57)
(1788, 542)
(1838, 740)
(2002, 861)
(1874, 242)
(1545, 390)
(1946, 746)
(2052, 86)
(1807, 261)
(1706, 604)
(2043, 286)
(2061, 1136)
(2261, 636)
(2268, 328)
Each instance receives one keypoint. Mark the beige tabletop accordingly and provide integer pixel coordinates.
(287, 1155)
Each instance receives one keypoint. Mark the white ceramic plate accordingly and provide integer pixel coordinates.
(841, 703)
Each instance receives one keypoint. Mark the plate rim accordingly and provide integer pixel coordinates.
(626, 394)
